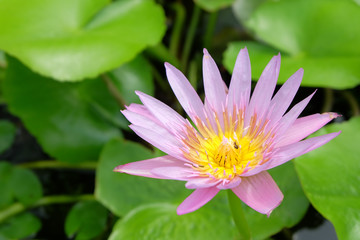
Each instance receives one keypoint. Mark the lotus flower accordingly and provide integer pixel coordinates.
(231, 139)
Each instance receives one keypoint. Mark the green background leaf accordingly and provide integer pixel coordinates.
(18, 183)
(7, 134)
(328, 71)
(285, 26)
(160, 221)
(135, 75)
(213, 5)
(243, 9)
(314, 35)
(71, 121)
(73, 40)
(6, 196)
(20, 226)
(86, 220)
(121, 192)
(25, 186)
(330, 178)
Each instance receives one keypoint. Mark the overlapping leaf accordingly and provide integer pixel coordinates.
(20, 226)
(72, 40)
(329, 71)
(330, 178)
(71, 121)
(7, 134)
(18, 184)
(86, 220)
(160, 221)
(315, 35)
(213, 5)
(121, 192)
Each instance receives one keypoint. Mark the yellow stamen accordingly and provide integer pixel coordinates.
(230, 150)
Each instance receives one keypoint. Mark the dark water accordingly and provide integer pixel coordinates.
(325, 231)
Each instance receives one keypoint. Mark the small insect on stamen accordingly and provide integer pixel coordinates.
(236, 146)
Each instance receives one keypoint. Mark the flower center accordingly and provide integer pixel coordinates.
(225, 153)
(226, 158)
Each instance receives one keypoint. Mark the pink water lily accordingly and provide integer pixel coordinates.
(232, 139)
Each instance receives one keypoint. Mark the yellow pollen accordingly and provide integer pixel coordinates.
(224, 153)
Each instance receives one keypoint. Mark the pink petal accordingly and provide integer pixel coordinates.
(231, 184)
(305, 126)
(185, 93)
(210, 115)
(165, 142)
(166, 115)
(259, 192)
(181, 173)
(256, 170)
(196, 200)
(240, 85)
(264, 90)
(144, 121)
(201, 182)
(283, 98)
(144, 167)
(290, 117)
(294, 150)
(142, 110)
(213, 84)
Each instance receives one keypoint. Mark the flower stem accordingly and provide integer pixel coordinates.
(352, 102)
(160, 80)
(177, 29)
(210, 29)
(328, 100)
(238, 216)
(113, 90)
(190, 36)
(162, 54)
(58, 164)
(17, 208)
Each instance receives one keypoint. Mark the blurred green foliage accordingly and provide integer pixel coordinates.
(72, 40)
(68, 67)
(330, 178)
(86, 220)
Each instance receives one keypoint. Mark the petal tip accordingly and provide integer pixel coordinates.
(333, 115)
(168, 65)
(205, 51)
(180, 211)
(137, 92)
(119, 168)
(275, 206)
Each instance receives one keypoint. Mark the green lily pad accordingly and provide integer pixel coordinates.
(285, 26)
(25, 186)
(20, 226)
(213, 5)
(328, 71)
(160, 221)
(86, 220)
(72, 40)
(290, 211)
(330, 178)
(135, 75)
(21, 184)
(243, 9)
(7, 134)
(328, 50)
(6, 196)
(120, 192)
(71, 121)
